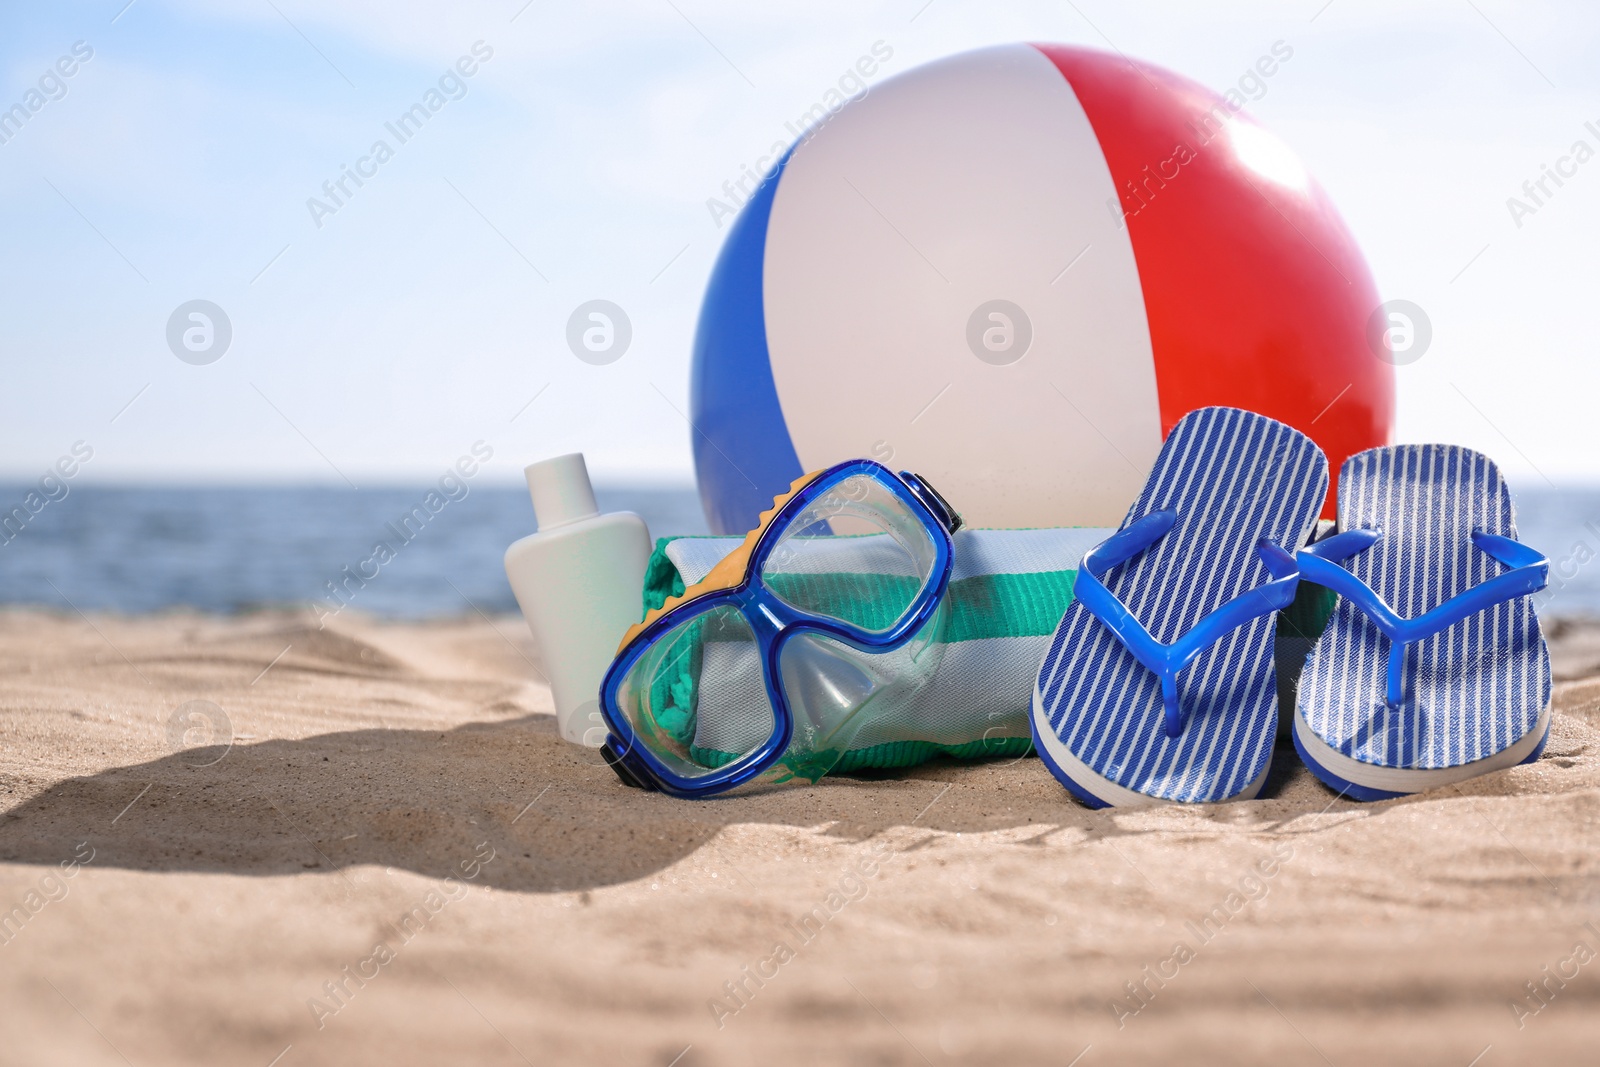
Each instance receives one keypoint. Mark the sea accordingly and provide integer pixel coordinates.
(225, 550)
(135, 550)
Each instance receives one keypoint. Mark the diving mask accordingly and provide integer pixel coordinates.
(768, 667)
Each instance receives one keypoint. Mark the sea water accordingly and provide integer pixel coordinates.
(383, 551)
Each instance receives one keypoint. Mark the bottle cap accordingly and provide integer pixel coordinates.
(561, 491)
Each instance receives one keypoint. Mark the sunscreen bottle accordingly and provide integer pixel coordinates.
(580, 583)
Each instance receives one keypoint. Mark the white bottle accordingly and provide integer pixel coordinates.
(580, 583)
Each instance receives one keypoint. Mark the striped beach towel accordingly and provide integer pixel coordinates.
(1008, 589)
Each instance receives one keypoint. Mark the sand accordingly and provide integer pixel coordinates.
(396, 815)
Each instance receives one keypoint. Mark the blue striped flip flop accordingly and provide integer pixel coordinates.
(1159, 683)
(1432, 669)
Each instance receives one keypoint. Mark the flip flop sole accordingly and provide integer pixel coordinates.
(1477, 693)
(1235, 481)
(1369, 781)
(1094, 790)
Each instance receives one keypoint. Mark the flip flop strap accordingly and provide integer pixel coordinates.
(1321, 563)
(1166, 660)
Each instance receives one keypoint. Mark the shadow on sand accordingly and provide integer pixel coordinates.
(425, 800)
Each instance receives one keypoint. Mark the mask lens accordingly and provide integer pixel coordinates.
(696, 698)
(835, 691)
(856, 554)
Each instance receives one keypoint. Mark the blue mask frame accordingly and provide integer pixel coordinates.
(774, 623)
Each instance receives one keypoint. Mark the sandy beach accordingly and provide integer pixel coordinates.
(389, 856)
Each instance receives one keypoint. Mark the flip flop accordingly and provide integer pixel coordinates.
(1159, 683)
(1432, 669)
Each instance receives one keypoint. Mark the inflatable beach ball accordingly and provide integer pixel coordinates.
(1012, 271)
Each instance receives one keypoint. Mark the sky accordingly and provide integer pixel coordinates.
(378, 337)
